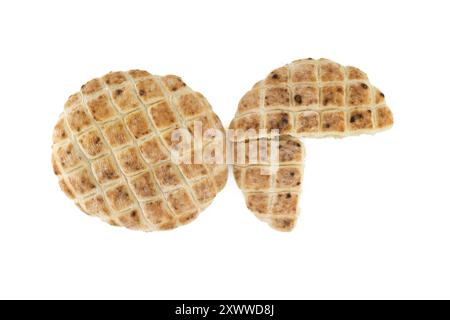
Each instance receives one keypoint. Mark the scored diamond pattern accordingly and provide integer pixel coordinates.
(111, 151)
(306, 98)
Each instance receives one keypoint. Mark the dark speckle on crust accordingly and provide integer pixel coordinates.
(119, 92)
(142, 93)
(356, 117)
(288, 196)
(275, 76)
(364, 86)
(283, 122)
(109, 174)
(298, 98)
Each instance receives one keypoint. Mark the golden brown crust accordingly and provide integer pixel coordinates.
(131, 220)
(288, 178)
(136, 74)
(66, 189)
(81, 181)
(333, 121)
(125, 98)
(78, 119)
(91, 87)
(245, 123)
(116, 134)
(285, 204)
(120, 197)
(97, 206)
(153, 151)
(67, 157)
(306, 98)
(308, 122)
(190, 105)
(114, 78)
(204, 190)
(158, 213)
(105, 170)
(137, 124)
(355, 74)
(257, 179)
(290, 150)
(130, 161)
(111, 151)
(101, 108)
(322, 86)
(162, 115)
(250, 101)
(149, 91)
(283, 224)
(173, 83)
(385, 119)
(332, 96)
(272, 189)
(276, 97)
(331, 71)
(304, 72)
(278, 76)
(180, 202)
(144, 186)
(59, 132)
(168, 177)
(92, 143)
(258, 203)
(361, 119)
(281, 121)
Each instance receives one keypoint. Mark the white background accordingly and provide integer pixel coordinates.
(375, 209)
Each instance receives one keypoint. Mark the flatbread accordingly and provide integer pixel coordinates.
(306, 98)
(112, 151)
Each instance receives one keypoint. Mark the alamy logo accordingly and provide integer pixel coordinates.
(215, 146)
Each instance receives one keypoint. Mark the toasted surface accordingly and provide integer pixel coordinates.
(112, 154)
(272, 189)
(314, 98)
(306, 98)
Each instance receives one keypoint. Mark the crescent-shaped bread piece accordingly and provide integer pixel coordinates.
(309, 98)
(112, 151)
(314, 98)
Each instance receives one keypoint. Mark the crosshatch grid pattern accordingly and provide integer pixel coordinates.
(314, 98)
(112, 147)
(306, 98)
(272, 189)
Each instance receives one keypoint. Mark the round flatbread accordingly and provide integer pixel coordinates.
(112, 151)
